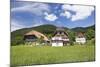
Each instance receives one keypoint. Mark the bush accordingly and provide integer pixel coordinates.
(90, 42)
(71, 43)
(17, 42)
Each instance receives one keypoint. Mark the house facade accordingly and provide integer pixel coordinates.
(60, 38)
(33, 36)
(80, 38)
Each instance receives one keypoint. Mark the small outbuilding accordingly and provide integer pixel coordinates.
(80, 38)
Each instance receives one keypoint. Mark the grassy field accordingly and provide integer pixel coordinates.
(27, 55)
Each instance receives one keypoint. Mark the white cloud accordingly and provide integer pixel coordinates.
(50, 17)
(81, 12)
(88, 2)
(35, 8)
(15, 25)
(66, 14)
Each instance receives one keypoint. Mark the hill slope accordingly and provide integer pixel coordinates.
(17, 36)
(48, 30)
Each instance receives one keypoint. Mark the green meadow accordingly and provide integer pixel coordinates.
(33, 55)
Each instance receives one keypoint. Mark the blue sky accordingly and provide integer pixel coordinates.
(31, 14)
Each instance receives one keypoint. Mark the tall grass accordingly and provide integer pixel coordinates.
(27, 55)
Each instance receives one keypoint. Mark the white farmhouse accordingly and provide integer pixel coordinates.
(60, 38)
(80, 38)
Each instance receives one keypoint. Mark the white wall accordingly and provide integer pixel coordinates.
(81, 40)
(57, 44)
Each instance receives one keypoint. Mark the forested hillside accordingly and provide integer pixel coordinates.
(48, 30)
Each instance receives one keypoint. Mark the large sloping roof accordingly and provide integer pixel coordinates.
(37, 34)
(60, 30)
(80, 34)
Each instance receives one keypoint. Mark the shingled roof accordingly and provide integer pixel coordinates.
(80, 34)
(37, 34)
